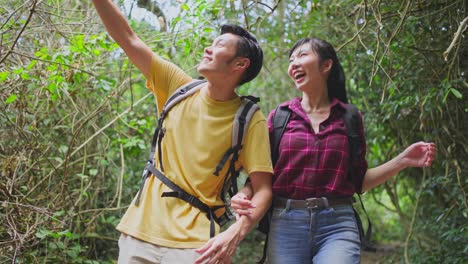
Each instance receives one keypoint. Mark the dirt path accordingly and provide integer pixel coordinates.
(382, 255)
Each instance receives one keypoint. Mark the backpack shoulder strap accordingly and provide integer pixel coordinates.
(351, 120)
(240, 125)
(180, 94)
(242, 119)
(280, 121)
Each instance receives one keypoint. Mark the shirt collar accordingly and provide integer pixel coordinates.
(296, 102)
(335, 103)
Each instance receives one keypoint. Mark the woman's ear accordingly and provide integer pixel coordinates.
(326, 66)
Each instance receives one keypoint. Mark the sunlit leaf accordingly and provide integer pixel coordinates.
(12, 98)
(4, 76)
(185, 7)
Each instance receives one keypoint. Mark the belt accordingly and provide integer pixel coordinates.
(312, 203)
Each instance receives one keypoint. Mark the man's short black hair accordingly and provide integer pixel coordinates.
(247, 47)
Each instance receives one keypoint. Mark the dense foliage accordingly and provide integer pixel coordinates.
(76, 119)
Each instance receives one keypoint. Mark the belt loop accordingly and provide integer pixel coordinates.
(288, 205)
(325, 202)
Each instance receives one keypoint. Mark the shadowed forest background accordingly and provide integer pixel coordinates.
(76, 119)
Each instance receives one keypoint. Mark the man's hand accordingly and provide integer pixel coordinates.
(219, 249)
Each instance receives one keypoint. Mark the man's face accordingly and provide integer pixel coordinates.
(219, 57)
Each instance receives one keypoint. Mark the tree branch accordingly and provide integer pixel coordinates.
(31, 12)
(455, 39)
(156, 10)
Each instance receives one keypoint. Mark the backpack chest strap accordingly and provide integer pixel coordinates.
(179, 193)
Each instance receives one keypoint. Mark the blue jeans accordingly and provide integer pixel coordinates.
(314, 236)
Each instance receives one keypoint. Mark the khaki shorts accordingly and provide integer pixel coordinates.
(132, 250)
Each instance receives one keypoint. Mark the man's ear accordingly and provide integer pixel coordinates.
(326, 66)
(242, 63)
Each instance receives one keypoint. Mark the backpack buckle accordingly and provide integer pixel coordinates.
(191, 199)
(145, 173)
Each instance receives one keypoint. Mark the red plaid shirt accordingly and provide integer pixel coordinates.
(316, 165)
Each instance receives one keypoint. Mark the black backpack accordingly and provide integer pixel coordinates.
(242, 119)
(351, 120)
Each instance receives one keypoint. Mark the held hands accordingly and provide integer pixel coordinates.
(219, 249)
(420, 154)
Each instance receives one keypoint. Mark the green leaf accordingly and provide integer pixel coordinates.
(93, 172)
(456, 93)
(106, 84)
(25, 76)
(65, 233)
(52, 87)
(185, 7)
(63, 149)
(175, 21)
(18, 70)
(4, 76)
(11, 99)
(59, 213)
(42, 233)
(31, 64)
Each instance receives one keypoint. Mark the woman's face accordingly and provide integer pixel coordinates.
(304, 67)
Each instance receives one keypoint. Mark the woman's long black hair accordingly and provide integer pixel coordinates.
(336, 79)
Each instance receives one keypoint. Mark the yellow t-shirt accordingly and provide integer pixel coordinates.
(198, 132)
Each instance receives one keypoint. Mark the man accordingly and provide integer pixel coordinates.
(197, 133)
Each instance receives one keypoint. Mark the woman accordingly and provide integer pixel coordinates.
(313, 219)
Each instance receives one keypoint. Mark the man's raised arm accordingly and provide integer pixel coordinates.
(117, 26)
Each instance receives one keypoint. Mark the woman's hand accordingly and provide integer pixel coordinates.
(420, 154)
(241, 204)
